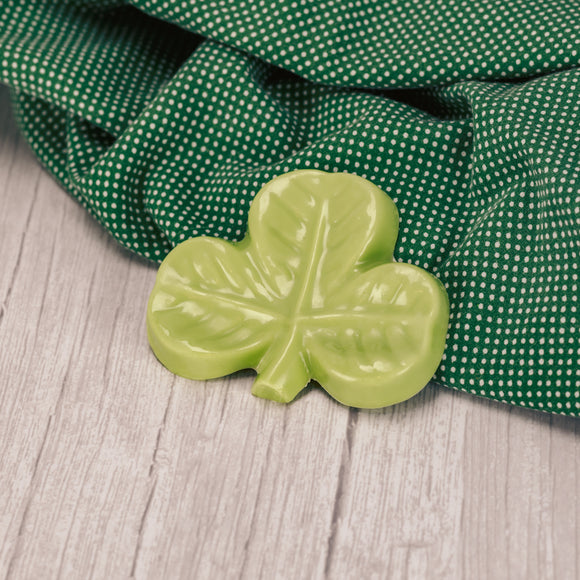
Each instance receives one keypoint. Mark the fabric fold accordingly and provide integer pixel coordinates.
(164, 119)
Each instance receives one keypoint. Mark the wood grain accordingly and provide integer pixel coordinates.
(111, 467)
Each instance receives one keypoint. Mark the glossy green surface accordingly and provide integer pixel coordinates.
(312, 292)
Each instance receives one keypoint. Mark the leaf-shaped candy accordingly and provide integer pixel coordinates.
(311, 292)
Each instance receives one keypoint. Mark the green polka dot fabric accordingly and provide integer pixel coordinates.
(165, 117)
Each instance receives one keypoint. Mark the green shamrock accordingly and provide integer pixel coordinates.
(311, 292)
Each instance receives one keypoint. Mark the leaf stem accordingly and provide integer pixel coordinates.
(282, 373)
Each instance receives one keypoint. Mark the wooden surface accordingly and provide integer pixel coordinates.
(111, 467)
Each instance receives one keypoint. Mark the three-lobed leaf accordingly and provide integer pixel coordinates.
(312, 292)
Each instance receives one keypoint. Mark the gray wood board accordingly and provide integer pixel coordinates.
(111, 467)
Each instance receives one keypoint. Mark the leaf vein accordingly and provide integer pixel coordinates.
(211, 297)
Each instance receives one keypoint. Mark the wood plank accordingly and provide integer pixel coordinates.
(69, 453)
(521, 515)
(403, 492)
(457, 487)
(254, 487)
